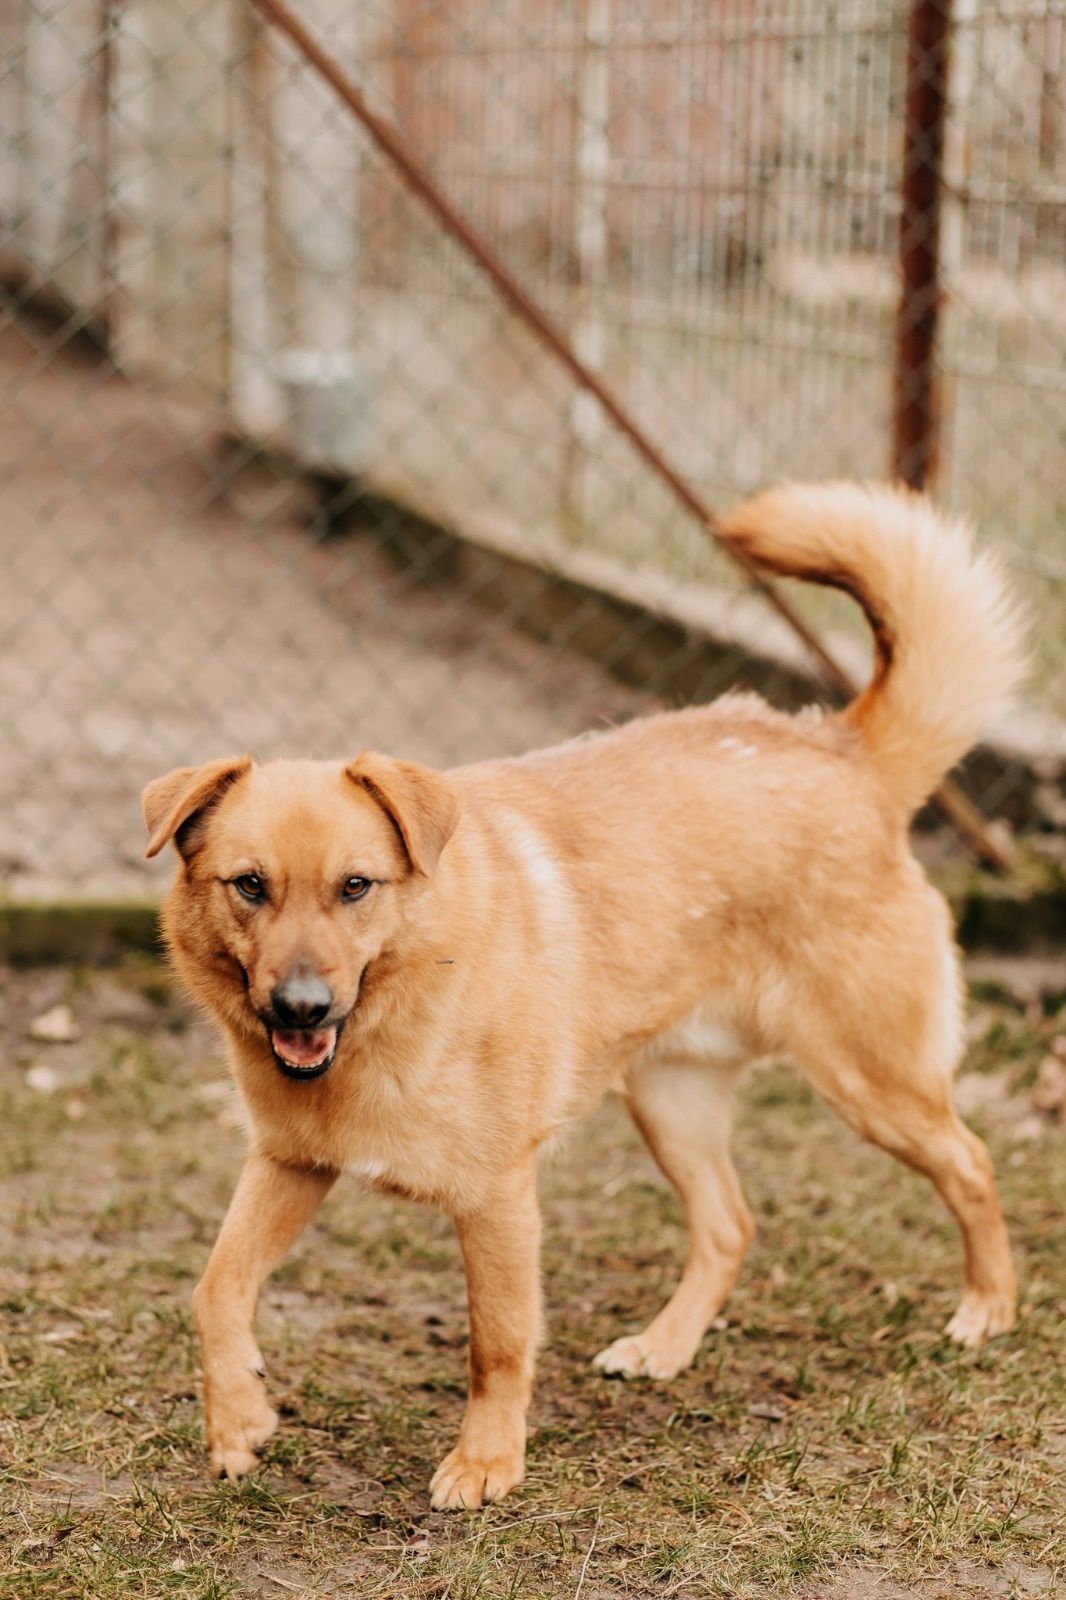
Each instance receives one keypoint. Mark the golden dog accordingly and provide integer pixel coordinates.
(422, 977)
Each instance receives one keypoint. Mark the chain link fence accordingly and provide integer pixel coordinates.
(282, 471)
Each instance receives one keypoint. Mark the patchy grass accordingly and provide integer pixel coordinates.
(828, 1443)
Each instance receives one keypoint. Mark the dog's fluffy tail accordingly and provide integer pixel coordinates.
(947, 636)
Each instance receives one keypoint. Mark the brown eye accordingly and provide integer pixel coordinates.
(251, 886)
(355, 888)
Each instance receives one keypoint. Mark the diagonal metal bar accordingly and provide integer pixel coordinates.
(955, 805)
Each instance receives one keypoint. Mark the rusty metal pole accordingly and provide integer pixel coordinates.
(916, 386)
(955, 805)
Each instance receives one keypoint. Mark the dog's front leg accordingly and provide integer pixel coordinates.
(270, 1207)
(500, 1243)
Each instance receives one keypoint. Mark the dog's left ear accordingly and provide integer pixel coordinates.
(174, 799)
(421, 804)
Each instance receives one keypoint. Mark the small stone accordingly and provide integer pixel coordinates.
(44, 1079)
(55, 1026)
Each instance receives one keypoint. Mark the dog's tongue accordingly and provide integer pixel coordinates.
(303, 1047)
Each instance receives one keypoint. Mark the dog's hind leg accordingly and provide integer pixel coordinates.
(892, 1081)
(683, 1108)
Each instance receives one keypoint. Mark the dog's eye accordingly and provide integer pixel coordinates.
(355, 888)
(251, 886)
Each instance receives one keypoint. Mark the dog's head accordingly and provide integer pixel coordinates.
(295, 877)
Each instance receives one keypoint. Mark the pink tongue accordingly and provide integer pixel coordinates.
(301, 1048)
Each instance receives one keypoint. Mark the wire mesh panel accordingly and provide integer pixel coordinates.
(283, 473)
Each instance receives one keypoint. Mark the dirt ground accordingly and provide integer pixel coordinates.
(828, 1444)
(163, 604)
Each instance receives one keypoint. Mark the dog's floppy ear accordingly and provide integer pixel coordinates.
(174, 799)
(421, 804)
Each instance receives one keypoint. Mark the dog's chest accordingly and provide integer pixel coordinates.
(368, 1168)
(416, 1134)
(709, 1033)
(425, 1154)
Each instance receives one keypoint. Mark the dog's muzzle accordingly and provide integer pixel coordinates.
(302, 1024)
(302, 1035)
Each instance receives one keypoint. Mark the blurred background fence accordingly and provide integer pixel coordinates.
(281, 472)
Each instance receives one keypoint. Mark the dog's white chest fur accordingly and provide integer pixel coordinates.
(706, 1034)
(367, 1169)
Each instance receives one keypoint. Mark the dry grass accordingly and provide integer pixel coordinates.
(827, 1444)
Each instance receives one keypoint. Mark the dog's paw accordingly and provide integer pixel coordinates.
(240, 1420)
(635, 1356)
(465, 1483)
(980, 1317)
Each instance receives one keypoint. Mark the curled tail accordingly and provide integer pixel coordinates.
(947, 636)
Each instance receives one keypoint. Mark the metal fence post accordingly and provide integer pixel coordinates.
(916, 396)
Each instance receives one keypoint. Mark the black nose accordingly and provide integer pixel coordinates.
(302, 1001)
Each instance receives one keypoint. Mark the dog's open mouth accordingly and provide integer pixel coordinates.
(303, 1052)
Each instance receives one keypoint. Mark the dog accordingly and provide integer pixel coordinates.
(422, 977)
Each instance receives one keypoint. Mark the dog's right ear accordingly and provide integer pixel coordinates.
(174, 799)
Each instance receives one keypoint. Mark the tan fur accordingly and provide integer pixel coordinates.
(947, 633)
(647, 909)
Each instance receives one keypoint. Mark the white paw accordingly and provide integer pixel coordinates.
(235, 1452)
(634, 1357)
(240, 1420)
(981, 1317)
(466, 1483)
